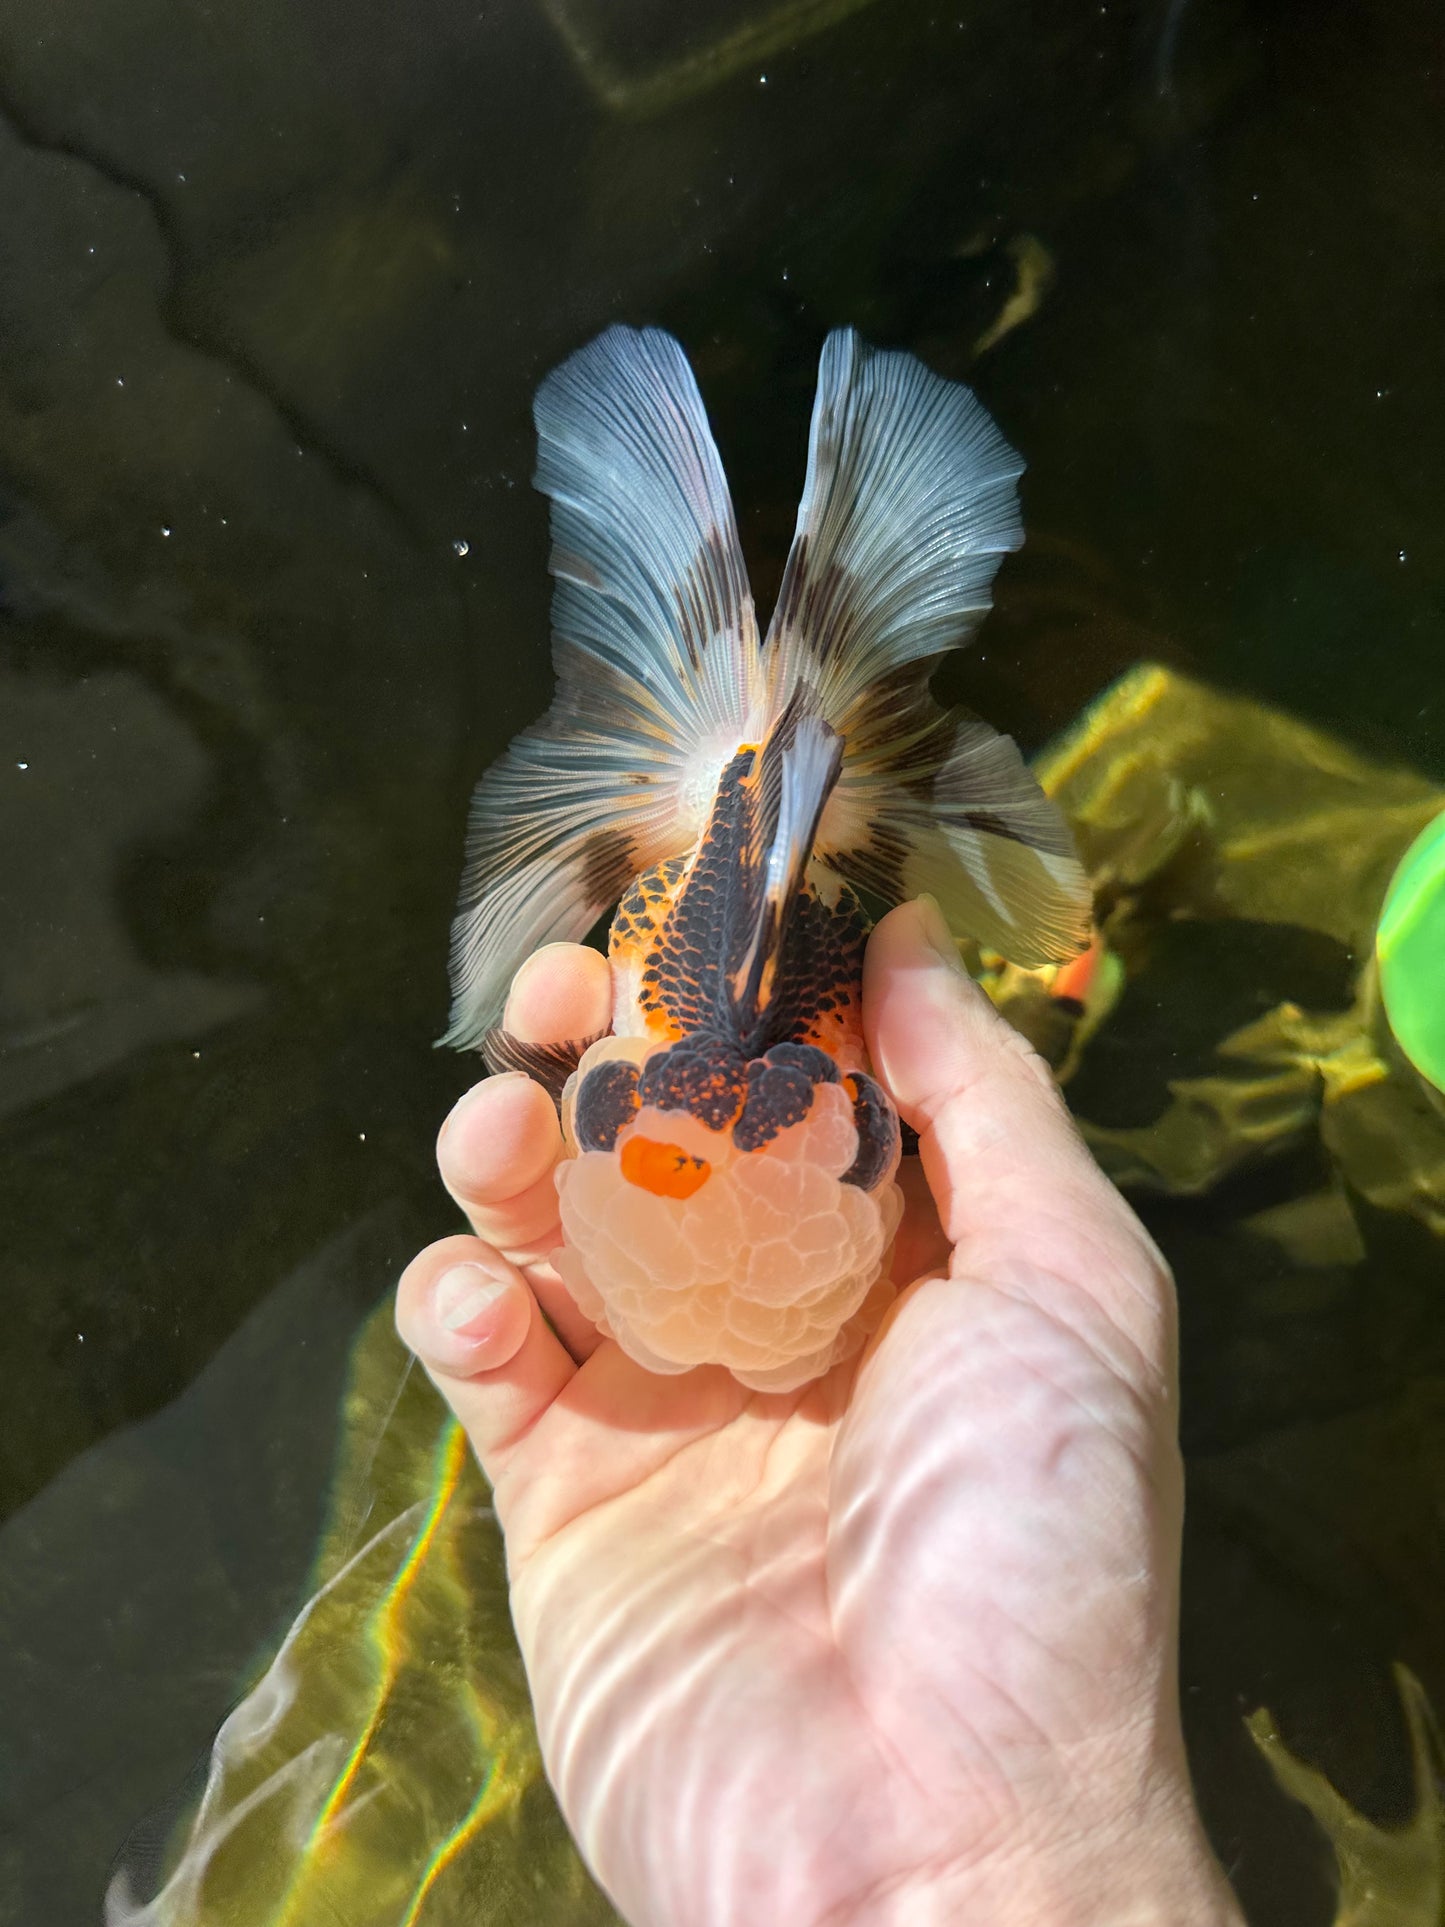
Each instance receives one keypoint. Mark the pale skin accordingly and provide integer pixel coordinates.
(900, 1647)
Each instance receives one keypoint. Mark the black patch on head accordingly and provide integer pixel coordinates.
(606, 1101)
(703, 1075)
(778, 1095)
(815, 1064)
(876, 1122)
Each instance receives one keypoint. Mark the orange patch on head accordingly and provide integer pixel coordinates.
(666, 1170)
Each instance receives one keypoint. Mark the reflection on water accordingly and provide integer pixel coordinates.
(279, 284)
(384, 1769)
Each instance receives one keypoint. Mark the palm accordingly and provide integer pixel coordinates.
(825, 1645)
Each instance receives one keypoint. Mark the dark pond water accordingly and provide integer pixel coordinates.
(276, 285)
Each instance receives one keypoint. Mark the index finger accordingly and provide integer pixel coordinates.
(1019, 1195)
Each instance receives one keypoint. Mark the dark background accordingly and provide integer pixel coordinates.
(276, 285)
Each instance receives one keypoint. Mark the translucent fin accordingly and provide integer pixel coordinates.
(972, 828)
(655, 648)
(910, 502)
(909, 506)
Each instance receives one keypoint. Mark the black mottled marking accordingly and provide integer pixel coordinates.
(876, 1123)
(924, 747)
(606, 1101)
(992, 824)
(648, 899)
(879, 864)
(815, 1064)
(703, 1075)
(550, 1064)
(695, 946)
(707, 597)
(790, 590)
(908, 1138)
(818, 602)
(820, 967)
(609, 863)
(778, 1095)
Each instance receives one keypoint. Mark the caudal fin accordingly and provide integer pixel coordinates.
(910, 504)
(655, 645)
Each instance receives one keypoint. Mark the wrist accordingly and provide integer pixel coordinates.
(1151, 1867)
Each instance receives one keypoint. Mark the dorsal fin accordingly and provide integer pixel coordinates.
(798, 765)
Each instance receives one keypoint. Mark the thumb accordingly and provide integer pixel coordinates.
(1014, 1183)
(473, 1322)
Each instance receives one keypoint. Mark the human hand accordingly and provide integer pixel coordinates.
(897, 1647)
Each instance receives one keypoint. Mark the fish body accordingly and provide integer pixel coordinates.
(730, 1196)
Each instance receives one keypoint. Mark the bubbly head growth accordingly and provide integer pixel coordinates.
(689, 1250)
(730, 1196)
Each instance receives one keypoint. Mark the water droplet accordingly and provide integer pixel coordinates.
(460, 548)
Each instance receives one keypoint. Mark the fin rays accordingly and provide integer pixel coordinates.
(909, 506)
(656, 652)
(910, 503)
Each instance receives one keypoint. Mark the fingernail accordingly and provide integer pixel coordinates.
(463, 1293)
(936, 933)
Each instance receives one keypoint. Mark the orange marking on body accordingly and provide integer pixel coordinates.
(666, 1170)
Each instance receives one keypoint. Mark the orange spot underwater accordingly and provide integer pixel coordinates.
(666, 1170)
(1076, 978)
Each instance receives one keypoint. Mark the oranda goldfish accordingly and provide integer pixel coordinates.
(730, 1193)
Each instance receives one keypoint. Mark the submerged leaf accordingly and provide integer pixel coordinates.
(1389, 1876)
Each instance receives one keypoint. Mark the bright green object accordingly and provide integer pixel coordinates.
(1410, 944)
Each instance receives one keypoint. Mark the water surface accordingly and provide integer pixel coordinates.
(279, 283)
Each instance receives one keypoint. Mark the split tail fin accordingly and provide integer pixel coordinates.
(655, 645)
(910, 504)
